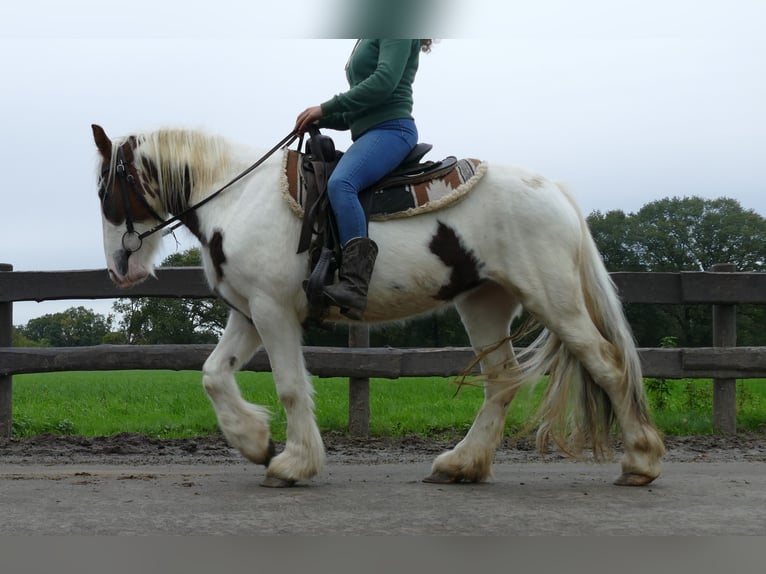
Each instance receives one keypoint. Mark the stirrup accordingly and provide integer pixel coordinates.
(321, 275)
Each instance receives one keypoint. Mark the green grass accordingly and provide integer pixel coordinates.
(173, 404)
(685, 407)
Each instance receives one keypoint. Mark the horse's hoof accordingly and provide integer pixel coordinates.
(633, 479)
(440, 477)
(276, 482)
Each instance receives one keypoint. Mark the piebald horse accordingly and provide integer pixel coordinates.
(516, 241)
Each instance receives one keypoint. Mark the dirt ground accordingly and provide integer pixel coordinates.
(140, 449)
(135, 485)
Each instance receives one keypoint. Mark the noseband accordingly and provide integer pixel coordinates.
(128, 178)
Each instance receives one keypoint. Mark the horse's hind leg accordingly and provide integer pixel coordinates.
(642, 445)
(245, 425)
(486, 313)
(614, 368)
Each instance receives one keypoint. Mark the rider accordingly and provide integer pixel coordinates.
(378, 110)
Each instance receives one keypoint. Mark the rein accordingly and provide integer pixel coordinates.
(132, 240)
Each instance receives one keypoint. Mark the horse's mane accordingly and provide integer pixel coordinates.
(183, 159)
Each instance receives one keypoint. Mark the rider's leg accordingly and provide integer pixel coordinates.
(374, 154)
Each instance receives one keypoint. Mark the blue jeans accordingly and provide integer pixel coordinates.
(376, 153)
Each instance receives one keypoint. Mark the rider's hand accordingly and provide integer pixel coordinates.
(307, 117)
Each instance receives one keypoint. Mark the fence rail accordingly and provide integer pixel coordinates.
(722, 288)
(383, 362)
(679, 288)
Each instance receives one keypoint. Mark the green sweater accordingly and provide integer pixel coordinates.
(380, 73)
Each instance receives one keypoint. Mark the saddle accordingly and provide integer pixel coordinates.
(319, 232)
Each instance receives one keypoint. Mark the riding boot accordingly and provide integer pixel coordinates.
(350, 292)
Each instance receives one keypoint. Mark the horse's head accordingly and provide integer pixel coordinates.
(128, 209)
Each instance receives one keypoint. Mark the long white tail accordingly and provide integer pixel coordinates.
(575, 410)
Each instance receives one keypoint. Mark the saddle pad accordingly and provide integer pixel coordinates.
(398, 201)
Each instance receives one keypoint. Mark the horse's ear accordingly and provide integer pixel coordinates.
(103, 143)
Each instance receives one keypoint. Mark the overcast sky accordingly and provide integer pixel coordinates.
(626, 101)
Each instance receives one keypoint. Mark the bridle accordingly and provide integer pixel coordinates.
(128, 178)
(124, 171)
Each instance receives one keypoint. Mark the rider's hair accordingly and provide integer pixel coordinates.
(425, 45)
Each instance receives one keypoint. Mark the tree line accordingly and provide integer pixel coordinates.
(672, 234)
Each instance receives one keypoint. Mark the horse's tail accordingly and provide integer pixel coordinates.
(575, 410)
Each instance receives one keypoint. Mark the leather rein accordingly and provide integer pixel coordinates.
(131, 239)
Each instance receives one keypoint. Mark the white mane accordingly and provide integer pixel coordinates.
(184, 159)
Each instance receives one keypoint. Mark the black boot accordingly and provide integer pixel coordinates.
(350, 293)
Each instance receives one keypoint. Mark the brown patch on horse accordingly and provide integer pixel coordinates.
(130, 144)
(113, 201)
(113, 191)
(446, 245)
(215, 245)
(112, 206)
(191, 221)
(150, 177)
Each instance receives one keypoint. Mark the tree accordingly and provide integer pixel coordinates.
(154, 320)
(613, 233)
(681, 234)
(75, 327)
(18, 339)
(693, 234)
(440, 329)
(684, 234)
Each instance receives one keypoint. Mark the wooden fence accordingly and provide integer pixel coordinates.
(724, 362)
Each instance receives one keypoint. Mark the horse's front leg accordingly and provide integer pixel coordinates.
(303, 456)
(245, 425)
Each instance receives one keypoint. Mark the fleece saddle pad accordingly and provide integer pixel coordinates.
(402, 200)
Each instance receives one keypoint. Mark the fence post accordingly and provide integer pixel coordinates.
(725, 335)
(6, 381)
(359, 387)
